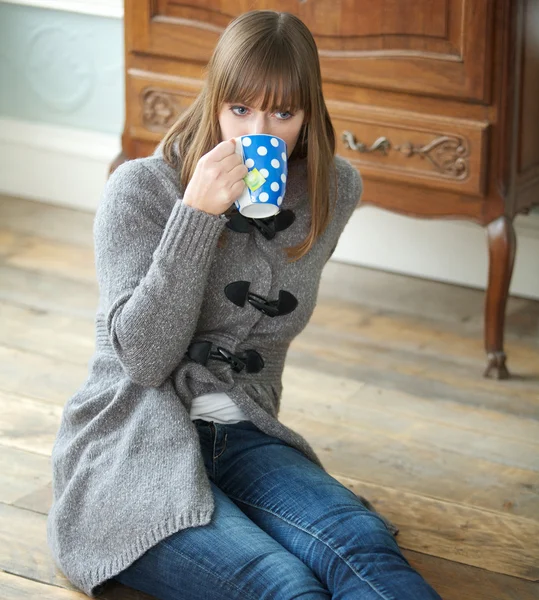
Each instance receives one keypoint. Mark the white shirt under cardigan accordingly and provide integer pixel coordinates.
(218, 407)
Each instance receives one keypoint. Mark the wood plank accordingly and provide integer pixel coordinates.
(415, 334)
(454, 581)
(23, 474)
(360, 411)
(18, 588)
(434, 301)
(47, 221)
(427, 377)
(76, 262)
(28, 424)
(456, 532)
(346, 395)
(39, 500)
(431, 363)
(31, 252)
(39, 377)
(54, 335)
(15, 587)
(415, 468)
(11, 243)
(46, 292)
(23, 547)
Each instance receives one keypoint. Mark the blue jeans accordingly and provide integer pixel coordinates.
(282, 528)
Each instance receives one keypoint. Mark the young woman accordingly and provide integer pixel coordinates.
(172, 473)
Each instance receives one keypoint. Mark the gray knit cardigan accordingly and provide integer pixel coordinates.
(126, 463)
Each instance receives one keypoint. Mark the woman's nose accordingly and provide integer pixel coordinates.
(260, 126)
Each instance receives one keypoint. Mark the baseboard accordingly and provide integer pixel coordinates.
(59, 165)
(69, 167)
(453, 251)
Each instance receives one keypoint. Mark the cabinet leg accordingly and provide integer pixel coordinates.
(502, 247)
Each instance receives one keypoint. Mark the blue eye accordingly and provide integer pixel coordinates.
(236, 108)
(241, 111)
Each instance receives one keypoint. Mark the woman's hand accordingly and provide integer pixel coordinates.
(218, 179)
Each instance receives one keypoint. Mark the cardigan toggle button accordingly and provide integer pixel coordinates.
(267, 227)
(238, 293)
(203, 351)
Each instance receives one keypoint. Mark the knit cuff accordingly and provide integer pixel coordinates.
(190, 232)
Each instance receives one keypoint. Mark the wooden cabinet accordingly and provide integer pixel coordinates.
(435, 102)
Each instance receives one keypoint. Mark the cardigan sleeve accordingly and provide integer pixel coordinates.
(152, 265)
(354, 190)
(351, 188)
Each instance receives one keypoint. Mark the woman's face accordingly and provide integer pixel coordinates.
(238, 119)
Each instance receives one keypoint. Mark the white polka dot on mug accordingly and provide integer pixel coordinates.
(265, 157)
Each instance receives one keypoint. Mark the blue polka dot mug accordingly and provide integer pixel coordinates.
(266, 158)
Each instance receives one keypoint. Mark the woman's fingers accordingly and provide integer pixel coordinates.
(238, 173)
(229, 163)
(237, 189)
(221, 151)
(218, 179)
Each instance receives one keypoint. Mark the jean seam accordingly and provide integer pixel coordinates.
(224, 447)
(224, 581)
(384, 597)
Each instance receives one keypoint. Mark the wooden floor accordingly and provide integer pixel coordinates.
(385, 383)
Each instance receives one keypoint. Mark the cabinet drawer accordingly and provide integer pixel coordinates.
(155, 102)
(431, 151)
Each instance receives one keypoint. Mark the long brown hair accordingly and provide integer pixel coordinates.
(272, 56)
